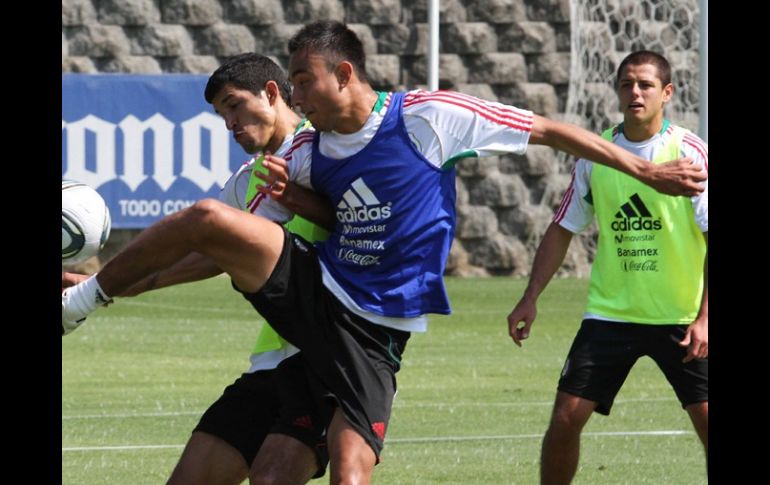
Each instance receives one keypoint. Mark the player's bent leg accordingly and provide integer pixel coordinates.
(699, 415)
(351, 459)
(561, 443)
(209, 460)
(244, 245)
(283, 460)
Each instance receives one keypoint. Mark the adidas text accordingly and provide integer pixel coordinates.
(637, 225)
(364, 214)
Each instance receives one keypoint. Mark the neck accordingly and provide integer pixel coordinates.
(286, 122)
(634, 131)
(361, 99)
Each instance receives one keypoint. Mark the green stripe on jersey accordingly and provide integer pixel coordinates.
(449, 164)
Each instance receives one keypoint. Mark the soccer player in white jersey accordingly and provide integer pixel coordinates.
(649, 281)
(351, 302)
(252, 94)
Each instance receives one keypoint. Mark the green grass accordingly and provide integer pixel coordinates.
(471, 407)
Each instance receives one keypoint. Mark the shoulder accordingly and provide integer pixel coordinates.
(694, 142)
(453, 106)
(693, 146)
(302, 141)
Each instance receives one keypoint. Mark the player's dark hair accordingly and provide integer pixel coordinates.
(647, 57)
(248, 71)
(336, 41)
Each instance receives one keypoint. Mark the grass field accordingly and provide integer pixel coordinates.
(471, 408)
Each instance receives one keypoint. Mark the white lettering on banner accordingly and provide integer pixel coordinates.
(104, 133)
(133, 153)
(133, 131)
(192, 166)
(151, 207)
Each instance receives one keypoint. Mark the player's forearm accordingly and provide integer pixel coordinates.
(548, 258)
(584, 144)
(310, 205)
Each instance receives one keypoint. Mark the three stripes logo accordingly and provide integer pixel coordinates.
(359, 204)
(635, 216)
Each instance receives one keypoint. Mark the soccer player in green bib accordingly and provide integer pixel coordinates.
(252, 95)
(649, 282)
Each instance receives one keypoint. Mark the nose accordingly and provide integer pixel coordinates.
(296, 98)
(230, 122)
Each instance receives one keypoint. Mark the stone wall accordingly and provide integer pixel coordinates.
(512, 51)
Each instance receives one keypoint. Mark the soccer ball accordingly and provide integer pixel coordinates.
(85, 222)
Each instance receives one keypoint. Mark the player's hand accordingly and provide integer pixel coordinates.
(679, 177)
(276, 178)
(696, 340)
(524, 311)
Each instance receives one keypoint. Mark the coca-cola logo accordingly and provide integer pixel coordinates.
(649, 265)
(357, 258)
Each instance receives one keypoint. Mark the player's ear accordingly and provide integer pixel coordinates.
(343, 72)
(272, 92)
(668, 91)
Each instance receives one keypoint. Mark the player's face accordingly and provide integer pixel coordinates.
(316, 89)
(641, 93)
(249, 116)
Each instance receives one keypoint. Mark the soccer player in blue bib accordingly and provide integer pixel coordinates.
(386, 163)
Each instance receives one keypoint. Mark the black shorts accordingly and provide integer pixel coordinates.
(603, 353)
(248, 410)
(350, 362)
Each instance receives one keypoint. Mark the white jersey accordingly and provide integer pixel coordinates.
(234, 195)
(444, 127)
(575, 212)
(234, 191)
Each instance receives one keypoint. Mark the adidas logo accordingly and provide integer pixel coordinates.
(634, 216)
(379, 430)
(359, 204)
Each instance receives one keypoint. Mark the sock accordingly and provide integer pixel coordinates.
(83, 298)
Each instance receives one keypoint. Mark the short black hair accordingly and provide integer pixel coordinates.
(647, 57)
(334, 39)
(248, 71)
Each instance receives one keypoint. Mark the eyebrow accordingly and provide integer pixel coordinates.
(296, 72)
(642, 80)
(222, 101)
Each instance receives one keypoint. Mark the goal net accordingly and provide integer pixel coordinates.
(603, 32)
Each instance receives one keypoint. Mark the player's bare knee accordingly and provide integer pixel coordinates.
(204, 216)
(565, 420)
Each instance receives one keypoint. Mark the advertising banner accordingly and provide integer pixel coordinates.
(149, 144)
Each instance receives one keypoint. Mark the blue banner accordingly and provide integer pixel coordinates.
(150, 145)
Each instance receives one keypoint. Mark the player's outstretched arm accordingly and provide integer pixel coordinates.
(550, 254)
(696, 340)
(678, 177)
